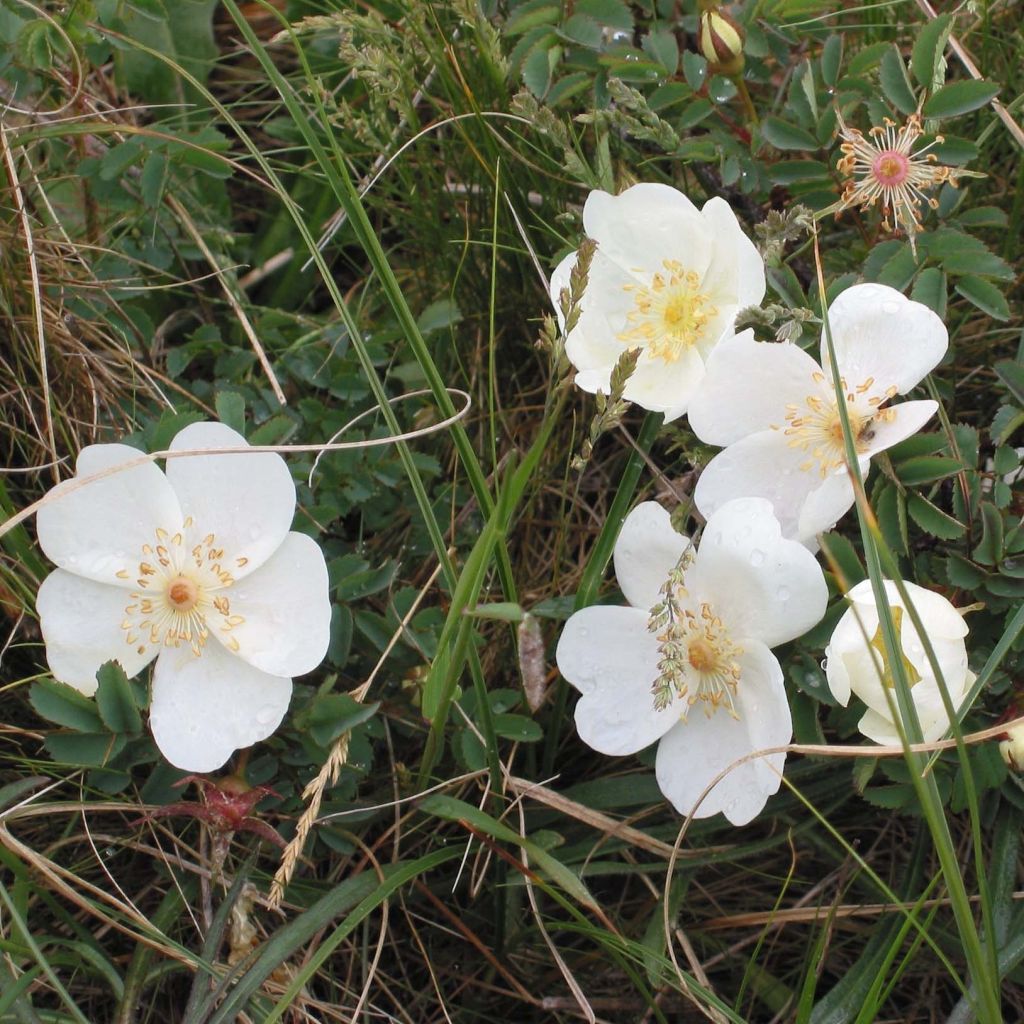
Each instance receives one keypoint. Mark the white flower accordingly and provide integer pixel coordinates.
(196, 568)
(775, 412)
(853, 663)
(698, 630)
(1012, 748)
(667, 278)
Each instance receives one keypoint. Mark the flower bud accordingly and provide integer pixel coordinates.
(1012, 748)
(721, 43)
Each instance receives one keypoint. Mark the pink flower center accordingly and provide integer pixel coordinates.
(890, 168)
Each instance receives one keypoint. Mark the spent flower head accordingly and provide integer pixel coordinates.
(195, 568)
(696, 636)
(884, 167)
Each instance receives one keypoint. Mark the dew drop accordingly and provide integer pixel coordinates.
(824, 664)
(890, 307)
(782, 593)
(757, 557)
(811, 680)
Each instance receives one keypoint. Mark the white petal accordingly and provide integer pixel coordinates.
(204, 708)
(97, 530)
(759, 466)
(560, 280)
(608, 654)
(694, 752)
(758, 583)
(286, 610)
(880, 334)
(736, 272)
(246, 501)
(879, 728)
(826, 505)
(646, 551)
(81, 624)
(593, 344)
(748, 386)
(900, 422)
(940, 618)
(665, 387)
(647, 224)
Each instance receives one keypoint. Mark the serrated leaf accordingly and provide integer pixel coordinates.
(115, 700)
(517, 727)
(933, 520)
(841, 557)
(983, 217)
(84, 748)
(892, 75)
(959, 98)
(695, 70)
(990, 548)
(963, 573)
(1006, 422)
(64, 705)
(928, 48)
(890, 509)
(983, 294)
(613, 13)
(531, 15)
(982, 264)
(783, 135)
(537, 72)
(331, 714)
(930, 289)
(925, 469)
(661, 44)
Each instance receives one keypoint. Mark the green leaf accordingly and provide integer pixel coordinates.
(1006, 423)
(503, 611)
(1011, 373)
(930, 289)
(439, 316)
(959, 98)
(153, 178)
(115, 700)
(925, 469)
(518, 727)
(990, 548)
(928, 48)
(985, 295)
(963, 573)
(891, 510)
(983, 217)
(842, 558)
(893, 77)
(331, 714)
(786, 172)
(537, 72)
(613, 13)
(983, 264)
(64, 705)
(783, 135)
(933, 520)
(530, 15)
(230, 406)
(695, 69)
(661, 44)
(831, 58)
(84, 748)
(867, 58)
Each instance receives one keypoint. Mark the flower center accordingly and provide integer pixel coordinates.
(180, 587)
(878, 642)
(670, 315)
(699, 660)
(890, 168)
(817, 428)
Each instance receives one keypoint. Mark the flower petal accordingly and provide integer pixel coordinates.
(760, 584)
(560, 280)
(246, 501)
(646, 551)
(736, 273)
(647, 224)
(98, 529)
(286, 611)
(826, 505)
(593, 344)
(940, 618)
(695, 751)
(81, 624)
(880, 334)
(204, 708)
(665, 387)
(747, 387)
(899, 422)
(608, 654)
(759, 466)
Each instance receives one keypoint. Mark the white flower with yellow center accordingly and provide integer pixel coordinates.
(857, 661)
(666, 278)
(775, 412)
(196, 568)
(689, 662)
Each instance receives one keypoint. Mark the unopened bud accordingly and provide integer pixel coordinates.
(721, 43)
(1012, 748)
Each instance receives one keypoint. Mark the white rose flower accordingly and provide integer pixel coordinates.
(773, 408)
(640, 669)
(667, 278)
(196, 568)
(853, 664)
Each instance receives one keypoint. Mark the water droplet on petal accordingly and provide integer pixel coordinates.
(890, 307)
(782, 593)
(757, 557)
(266, 714)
